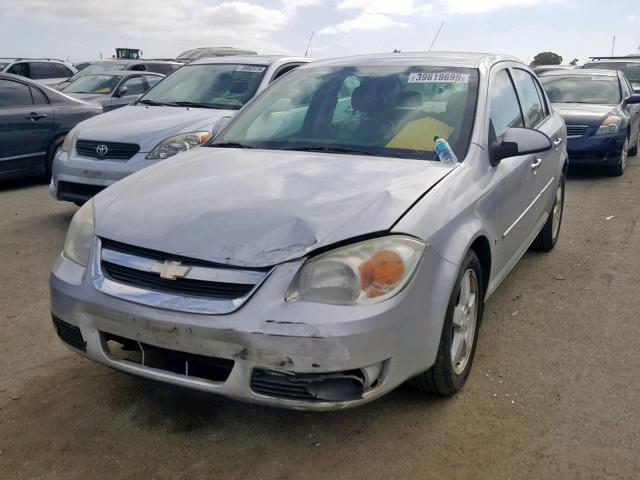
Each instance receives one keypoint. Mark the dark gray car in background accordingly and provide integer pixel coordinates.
(34, 121)
(112, 89)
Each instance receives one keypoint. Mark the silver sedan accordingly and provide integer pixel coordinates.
(339, 237)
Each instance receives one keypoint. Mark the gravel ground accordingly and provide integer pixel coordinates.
(553, 392)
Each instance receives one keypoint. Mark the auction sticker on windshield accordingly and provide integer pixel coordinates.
(441, 77)
(604, 79)
(248, 68)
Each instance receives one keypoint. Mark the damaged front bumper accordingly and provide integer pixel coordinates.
(297, 355)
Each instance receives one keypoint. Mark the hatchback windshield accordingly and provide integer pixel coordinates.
(94, 84)
(224, 86)
(582, 88)
(631, 69)
(386, 111)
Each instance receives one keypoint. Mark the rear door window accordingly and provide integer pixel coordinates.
(42, 70)
(21, 69)
(134, 85)
(163, 68)
(505, 108)
(14, 94)
(529, 97)
(39, 98)
(62, 71)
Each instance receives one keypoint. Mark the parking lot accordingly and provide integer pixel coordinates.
(553, 392)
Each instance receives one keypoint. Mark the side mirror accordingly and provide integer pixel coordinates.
(632, 100)
(519, 141)
(122, 91)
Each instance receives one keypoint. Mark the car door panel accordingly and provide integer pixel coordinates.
(24, 129)
(514, 193)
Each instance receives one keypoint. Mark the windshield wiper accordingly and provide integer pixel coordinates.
(151, 102)
(328, 149)
(231, 145)
(191, 104)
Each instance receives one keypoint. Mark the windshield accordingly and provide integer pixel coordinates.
(99, 67)
(631, 69)
(2, 65)
(582, 89)
(384, 111)
(223, 86)
(98, 84)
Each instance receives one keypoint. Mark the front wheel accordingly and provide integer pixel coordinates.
(618, 168)
(548, 236)
(459, 333)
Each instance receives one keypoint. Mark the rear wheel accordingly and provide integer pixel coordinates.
(548, 236)
(51, 153)
(459, 333)
(618, 169)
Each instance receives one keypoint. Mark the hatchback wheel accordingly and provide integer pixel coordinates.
(618, 169)
(459, 333)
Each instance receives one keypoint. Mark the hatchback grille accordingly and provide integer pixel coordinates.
(106, 150)
(69, 334)
(576, 130)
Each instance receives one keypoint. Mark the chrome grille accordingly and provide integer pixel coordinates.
(171, 281)
(576, 130)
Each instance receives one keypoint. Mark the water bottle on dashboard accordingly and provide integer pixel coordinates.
(443, 151)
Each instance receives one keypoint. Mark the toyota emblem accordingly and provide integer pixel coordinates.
(102, 150)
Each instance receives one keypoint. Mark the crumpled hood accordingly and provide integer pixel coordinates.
(149, 125)
(583, 114)
(258, 207)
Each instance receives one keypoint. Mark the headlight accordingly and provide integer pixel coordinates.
(610, 125)
(70, 140)
(80, 234)
(362, 273)
(180, 143)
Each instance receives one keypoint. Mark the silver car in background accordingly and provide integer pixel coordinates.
(317, 253)
(112, 89)
(181, 112)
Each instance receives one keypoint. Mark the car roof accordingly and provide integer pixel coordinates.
(122, 73)
(450, 59)
(585, 72)
(248, 59)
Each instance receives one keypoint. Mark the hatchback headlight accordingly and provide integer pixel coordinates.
(367, 272)
(610, 125)
(80, 234)
(69, 140)
(176, 144)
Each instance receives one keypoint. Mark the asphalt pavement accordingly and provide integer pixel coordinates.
(553, 392)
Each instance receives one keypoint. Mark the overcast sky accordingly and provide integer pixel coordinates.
(82, 29)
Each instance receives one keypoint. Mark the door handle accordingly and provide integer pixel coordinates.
(557, 141)
(536, 164)
(35, 116)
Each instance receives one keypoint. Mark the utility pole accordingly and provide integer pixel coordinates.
(309, 44)
(613, 45)
(436, 37)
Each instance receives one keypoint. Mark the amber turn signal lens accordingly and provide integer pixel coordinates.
(381, 272)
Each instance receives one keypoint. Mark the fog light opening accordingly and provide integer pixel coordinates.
(372, 375)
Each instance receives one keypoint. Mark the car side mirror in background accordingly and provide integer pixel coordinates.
(519, 141)
(632, 100)
(122, 91)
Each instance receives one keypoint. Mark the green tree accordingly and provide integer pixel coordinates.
(547, 58)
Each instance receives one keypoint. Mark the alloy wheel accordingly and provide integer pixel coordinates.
(557, 212)
(624, 154)
(465, 317)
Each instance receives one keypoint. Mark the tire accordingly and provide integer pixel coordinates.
(51, 153)
(446, 376)
(548, 236)
(618, 169)
(634, 150)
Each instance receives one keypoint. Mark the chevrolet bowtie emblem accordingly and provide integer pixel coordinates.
(170, 270)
